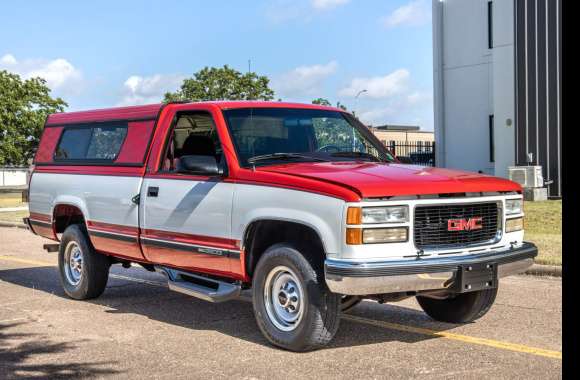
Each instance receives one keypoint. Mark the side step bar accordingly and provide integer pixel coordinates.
(200, 287)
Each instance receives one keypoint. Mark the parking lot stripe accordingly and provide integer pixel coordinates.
(463, 338)
(389, 325)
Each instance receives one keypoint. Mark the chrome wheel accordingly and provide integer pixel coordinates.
(73, 263)
(284, 298)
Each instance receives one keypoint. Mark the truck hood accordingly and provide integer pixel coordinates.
(373, 180)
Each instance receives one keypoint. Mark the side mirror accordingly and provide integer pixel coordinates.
(203, 165)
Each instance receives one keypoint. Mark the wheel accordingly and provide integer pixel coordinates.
(83, 271)
(462, 308)
(293, 307)
(348, 302)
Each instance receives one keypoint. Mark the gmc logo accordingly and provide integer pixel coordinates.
(475, 223)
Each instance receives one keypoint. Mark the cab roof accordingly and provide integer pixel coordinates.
(151, 111)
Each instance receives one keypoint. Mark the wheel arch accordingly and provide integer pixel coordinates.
(264, 232)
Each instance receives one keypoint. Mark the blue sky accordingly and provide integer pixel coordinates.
(108, 53)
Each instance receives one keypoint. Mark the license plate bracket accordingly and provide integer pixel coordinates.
(474, 277)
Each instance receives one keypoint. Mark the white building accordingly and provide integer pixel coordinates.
(497, 75)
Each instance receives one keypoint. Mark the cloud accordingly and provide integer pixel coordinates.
(304, 80)
(327, 4)
(59, 73)
(415, 13)
(378, 87)
(145, 90)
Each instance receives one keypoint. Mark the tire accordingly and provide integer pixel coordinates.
(463, 308)
(349, 302)
(85, 278)
(304, 314)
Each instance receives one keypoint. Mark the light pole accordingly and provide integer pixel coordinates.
(356, 112)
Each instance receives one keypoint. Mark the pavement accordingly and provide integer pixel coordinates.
(140, 329)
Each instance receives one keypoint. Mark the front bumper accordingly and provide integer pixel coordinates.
(365, 278)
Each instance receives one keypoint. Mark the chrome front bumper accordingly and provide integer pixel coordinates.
(365, 278)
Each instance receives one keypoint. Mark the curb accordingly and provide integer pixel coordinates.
(13, 224)
(545, 270)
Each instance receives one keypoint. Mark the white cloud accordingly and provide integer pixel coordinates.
(419, 98)
(59, 73)
(304, 80)
(378, 87)
(146, 90)
(415, 13)
(327, 4)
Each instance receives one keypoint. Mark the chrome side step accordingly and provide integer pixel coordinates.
(200, 287)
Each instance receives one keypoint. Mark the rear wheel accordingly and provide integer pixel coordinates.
(462, 308)
(293, 307)
(83, 271)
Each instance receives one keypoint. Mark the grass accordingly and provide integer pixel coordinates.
(11, 200)
(543, 226)
(13, 216)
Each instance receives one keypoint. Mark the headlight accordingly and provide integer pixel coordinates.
(513, 206)
(384, 235)
(391, 214)
(513, 225)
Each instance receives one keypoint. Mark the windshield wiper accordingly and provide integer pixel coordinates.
(356, 155)
(282, 156)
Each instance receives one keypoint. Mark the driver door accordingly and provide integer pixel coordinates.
(186, 218)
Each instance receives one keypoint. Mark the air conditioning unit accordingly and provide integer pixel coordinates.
(527, 176)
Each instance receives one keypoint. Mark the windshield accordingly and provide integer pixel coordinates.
(268, 135)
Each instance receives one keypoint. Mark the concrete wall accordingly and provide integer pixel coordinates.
(10, 177)
(473, 82)
(463, 73)
(400, 136)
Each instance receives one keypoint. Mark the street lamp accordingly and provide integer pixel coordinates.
(356, 112)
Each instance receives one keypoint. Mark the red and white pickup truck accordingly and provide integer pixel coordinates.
(299, 203)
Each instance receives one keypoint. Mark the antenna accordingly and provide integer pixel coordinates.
(249, 65)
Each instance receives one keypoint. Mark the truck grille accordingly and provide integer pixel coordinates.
(432, 229)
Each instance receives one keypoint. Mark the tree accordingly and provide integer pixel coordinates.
(222, 83)
(24, 106)
(326, 102)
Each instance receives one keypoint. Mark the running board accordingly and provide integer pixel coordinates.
(200, 287)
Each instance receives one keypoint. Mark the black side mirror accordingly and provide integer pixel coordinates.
(203, 165)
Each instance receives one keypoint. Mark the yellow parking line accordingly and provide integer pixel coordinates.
(463, 338)
(389, 325)
(26, 261)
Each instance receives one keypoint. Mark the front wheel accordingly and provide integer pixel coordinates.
(293, 307)
(461, 308)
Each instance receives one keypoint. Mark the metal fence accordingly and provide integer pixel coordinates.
(413, 152)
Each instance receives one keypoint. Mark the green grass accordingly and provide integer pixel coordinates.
(13, 216)
(11, 200)
(543, 226)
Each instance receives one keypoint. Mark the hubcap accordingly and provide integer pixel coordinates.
(73, 263)
(284, 298)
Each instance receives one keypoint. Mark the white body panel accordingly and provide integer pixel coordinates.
(188, 206)
(322, 213)
(105, 199)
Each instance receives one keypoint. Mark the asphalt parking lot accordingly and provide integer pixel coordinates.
(140, 329)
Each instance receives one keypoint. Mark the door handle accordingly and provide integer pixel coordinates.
(152, 191)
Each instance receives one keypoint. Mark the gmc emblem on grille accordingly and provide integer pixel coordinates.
(475, 223)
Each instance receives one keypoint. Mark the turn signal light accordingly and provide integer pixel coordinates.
(353, 236)
(353, 215)
(513, 225)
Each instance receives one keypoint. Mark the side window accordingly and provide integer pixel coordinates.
(193, 134)
(99, 143)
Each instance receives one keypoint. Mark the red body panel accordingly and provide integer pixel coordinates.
(122, 113)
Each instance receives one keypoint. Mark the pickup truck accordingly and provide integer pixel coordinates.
(299, 204)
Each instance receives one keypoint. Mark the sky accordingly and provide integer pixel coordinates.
(114, 53)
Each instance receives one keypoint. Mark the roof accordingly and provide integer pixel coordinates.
(392, 127)
(150, 111)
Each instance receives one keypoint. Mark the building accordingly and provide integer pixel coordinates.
(402, 133)
(497, 86)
